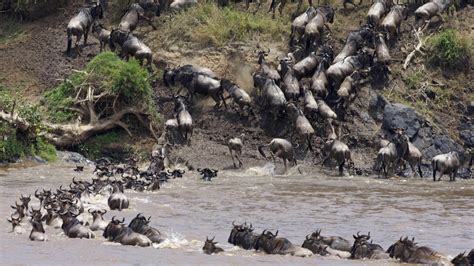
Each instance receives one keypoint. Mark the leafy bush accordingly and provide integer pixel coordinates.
(207, 24)
(109, 76)
(449, 50)
(15, 144)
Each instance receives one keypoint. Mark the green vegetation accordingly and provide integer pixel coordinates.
(111, 79)
(14, 143)
(450, 50)
(208, 24)
(10, 32)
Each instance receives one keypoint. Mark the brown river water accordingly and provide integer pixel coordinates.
(439, 215)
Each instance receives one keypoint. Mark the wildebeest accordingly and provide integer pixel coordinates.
(207, 174)
(116, 231)
(362, 249)
(140, 225)
(431, 9)
(265, 71)
(20, 210)
(239, 96)
(301, 125)
(412, 154)
(171, 128)
(243, 236)
(281, 148)
(272, 244)
(306, 66)
(325, 111)
(118, 200)
(392, 21)
(130, 45)
(319, 81)
(72, 227)
(98, 222)
(210, 247)
(273, 97)
(315, 246)
(16, 225)
(334, 242)
(381, 50)
(314, 28)
(377, 11)
(290, 85)
(345, 2)
(185, 121)
(195, 81)
(407, 251)
(464, 260)
(81, 23)
(37, 232)
(235, 146)
(337, 72)
(449, 164)
(137, 11)
(102, 34)
(310, 104)
(177, 5)
(299, 24)
(280, 4)
(354, 41)
(338, 151)
(151, 9)
(177, 173)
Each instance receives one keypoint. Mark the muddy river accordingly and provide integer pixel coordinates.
(440, 215)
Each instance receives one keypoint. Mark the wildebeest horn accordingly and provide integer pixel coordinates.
(276, 234)
(149, 218)
(113, 218)
(233, 223)
(368, 236)
(103, 212)
(138, 215)
(212, 238)
(358, 234)
(307, 237)
(123, 220)
(89, 210)
(207, 238)
(36, 194)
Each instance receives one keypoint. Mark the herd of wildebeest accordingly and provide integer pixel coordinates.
(77, 211)
(309, 90)
(310, 86)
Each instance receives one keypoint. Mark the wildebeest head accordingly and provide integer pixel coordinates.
(138, 222)
(402, 249)
(315, 245)
(177, 173)
(97, 214)
(97, 11)
(25, 200)
(210, 246)
(36, 214)
(233, 233)
(113, 228)
(20, 209)
(328, 13)
(168, 76)
(117, 36)
(15, 221)
(261, 55)
(265, 239)
(207, 174)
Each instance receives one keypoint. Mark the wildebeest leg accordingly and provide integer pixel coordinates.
(284, 163)
(341, 167)
(78, 40)
(232, 155)
(86, 34)
(454, 174)
(237, 155)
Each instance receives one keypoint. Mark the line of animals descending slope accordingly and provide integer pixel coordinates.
(74, 210)
(309, 93)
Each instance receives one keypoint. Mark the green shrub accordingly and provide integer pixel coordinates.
(108, 75)
(449, 50)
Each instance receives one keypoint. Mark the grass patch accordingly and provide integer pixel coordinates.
(208, 24)
(10, 31)
(450, 50)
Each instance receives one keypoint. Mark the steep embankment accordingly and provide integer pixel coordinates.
(225, 41)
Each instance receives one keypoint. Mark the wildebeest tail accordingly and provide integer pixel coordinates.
(69, 40)
(260, 149)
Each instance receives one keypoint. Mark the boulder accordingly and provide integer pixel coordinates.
(401, 116)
